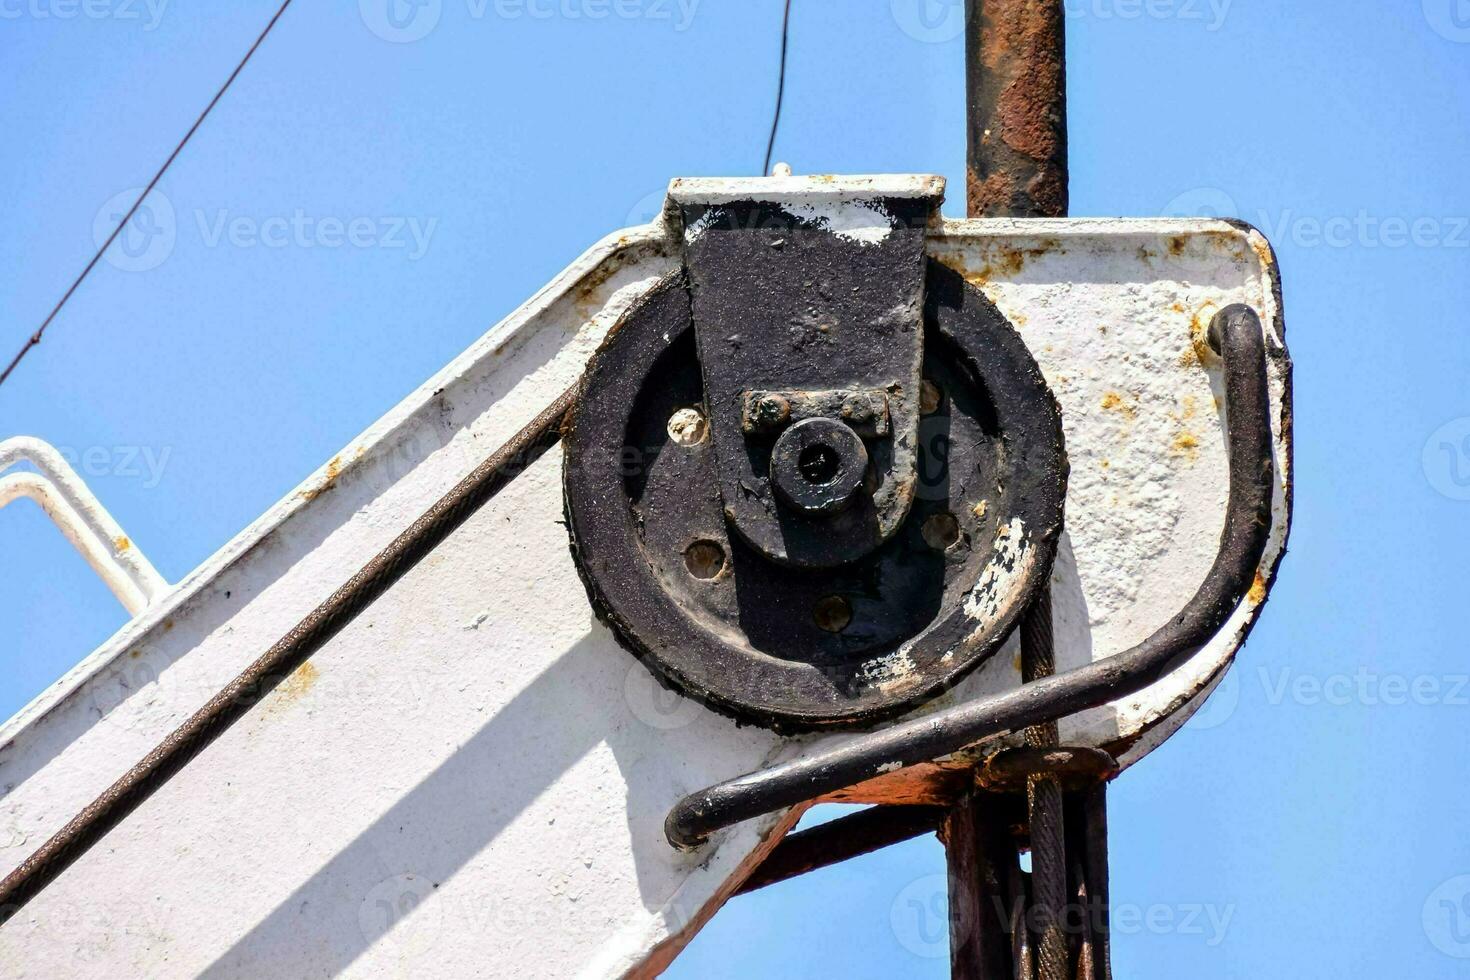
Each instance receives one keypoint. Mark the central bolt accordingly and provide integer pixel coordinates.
(818, 466)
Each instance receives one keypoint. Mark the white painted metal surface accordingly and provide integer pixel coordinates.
(471, 779)
(80, 516)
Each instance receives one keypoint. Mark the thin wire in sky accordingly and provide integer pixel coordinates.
(35, 338)
(780, 90)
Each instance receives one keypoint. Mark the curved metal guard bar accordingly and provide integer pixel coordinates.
(74, 509)
(1235, 333)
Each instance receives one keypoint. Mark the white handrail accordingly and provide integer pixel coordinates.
(72, 506)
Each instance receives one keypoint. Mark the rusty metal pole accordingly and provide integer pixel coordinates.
(1016, 121)
(985, 890)
(1016, 81)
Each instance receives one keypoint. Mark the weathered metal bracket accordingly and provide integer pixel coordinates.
(806, 307)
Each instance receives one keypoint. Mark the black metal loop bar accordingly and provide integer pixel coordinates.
(1236, 334)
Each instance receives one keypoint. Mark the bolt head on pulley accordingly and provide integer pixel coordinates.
(818, 466)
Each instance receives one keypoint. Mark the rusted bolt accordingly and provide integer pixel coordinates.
(704, 559)
(688, 427)
(858, 410)
(771, 411)
(833, 613)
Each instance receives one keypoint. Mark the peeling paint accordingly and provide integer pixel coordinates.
(301, 681)
(1257, 594)
(866, 222)
(329, 480)
(1009, 564)
(1185, 444)
(1116, 402)
(895, 667)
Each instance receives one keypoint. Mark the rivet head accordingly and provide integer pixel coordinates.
(772, 410)
(688, 427)
(858, 409)
(832, 613)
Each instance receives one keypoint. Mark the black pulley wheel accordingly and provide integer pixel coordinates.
(796, 649)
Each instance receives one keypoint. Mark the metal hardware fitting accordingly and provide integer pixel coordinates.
(768, 412)
(1074, 767)
(790, 300)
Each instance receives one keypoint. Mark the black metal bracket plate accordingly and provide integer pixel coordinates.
(795, 299)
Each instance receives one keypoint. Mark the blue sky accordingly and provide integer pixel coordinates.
(365, 202)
